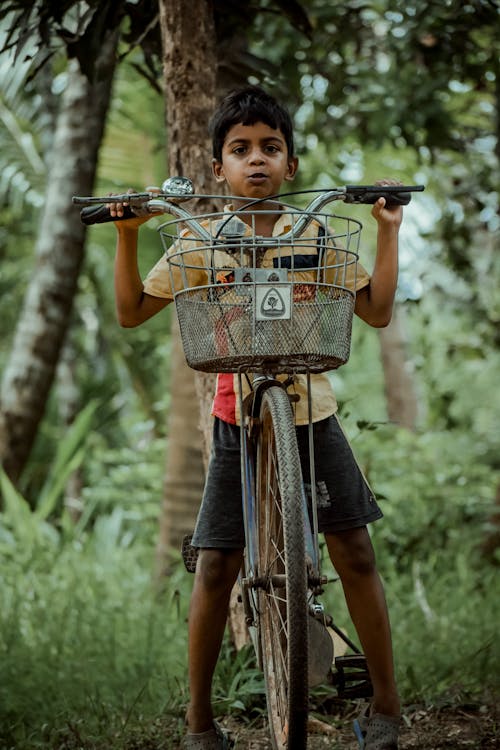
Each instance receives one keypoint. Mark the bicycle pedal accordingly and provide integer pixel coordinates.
(353, 661)
(351, 678)
(189, 554)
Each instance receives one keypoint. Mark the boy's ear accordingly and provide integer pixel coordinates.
(293, 165)
(218, 170)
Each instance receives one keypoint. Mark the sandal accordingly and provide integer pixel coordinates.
(377, 732)
(213, 739)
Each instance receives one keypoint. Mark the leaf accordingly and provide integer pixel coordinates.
(238, 705)
(28, 529)
(68, 458)
(366, 424)
(16, 508)
(296, 14)
(52, 492)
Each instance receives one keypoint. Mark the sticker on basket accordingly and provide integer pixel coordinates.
(273, 302)
(249, 275)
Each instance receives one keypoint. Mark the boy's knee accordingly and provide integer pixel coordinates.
(352, 552)
(218, 568)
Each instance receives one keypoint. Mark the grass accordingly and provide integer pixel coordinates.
(92, 657)
(85, 643)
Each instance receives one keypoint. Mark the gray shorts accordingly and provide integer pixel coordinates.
(344, 499)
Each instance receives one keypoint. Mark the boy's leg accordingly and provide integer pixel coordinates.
(352, 554)
(216, 573)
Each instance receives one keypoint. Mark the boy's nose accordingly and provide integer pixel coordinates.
(256, 157)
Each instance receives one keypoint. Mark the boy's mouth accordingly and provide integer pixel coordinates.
(257, 177)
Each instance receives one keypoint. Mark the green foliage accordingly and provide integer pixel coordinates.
(133, 148)
(22, 526)
(80, 29)
(84, 640)
(90, 655)
(23, 119)
(238, 684)
(436, 490)
(444, 626)
(419, 74)
(126, 371)
(128, 479)
(437, 494)
(88, 649)
(68, 459)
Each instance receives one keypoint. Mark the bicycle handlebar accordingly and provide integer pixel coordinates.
(176, 190)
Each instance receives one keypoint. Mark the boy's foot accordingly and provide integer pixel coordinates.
(377, 732)
(213, 739)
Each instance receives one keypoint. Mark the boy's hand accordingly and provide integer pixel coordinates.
(143, 215)
(383, 214)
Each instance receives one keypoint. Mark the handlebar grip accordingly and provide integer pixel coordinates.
(391, 199)
(100, 214)
(395, 195)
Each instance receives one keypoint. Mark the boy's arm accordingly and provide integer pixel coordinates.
(374, 302)
(133, 305)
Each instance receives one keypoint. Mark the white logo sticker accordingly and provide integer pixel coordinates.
(273, 302)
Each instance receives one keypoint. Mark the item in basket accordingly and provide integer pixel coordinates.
(224, 277)
(229, 226)
(231, 334)
(304, 292)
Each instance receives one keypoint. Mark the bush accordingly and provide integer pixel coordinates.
(85, 642)
(436, 492)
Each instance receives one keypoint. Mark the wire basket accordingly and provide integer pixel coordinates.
(264, 304)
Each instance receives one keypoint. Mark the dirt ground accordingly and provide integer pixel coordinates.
(472, 726)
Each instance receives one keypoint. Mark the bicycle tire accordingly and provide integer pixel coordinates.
(282, 571)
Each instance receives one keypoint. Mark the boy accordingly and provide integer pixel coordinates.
(254, 155)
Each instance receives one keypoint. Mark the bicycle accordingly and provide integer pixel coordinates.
(238, 315)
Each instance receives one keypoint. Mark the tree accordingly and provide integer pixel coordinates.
(190, 64)
(351, 70)
(400, 389)
(90, 34)
(203, 55)
(83, 29)
(44, 320)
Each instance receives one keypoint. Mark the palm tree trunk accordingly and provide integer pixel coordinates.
(59, 253)
(190, 69)
(189, 44)
(184, 475)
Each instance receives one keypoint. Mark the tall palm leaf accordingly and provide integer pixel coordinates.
(22, 119)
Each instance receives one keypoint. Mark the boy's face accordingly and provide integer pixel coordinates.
(255, 161)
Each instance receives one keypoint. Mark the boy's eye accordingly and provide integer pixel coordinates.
(270, 148)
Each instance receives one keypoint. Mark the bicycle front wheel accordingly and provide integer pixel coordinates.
(282, 575)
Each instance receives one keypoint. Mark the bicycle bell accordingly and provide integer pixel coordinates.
(178, 188)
